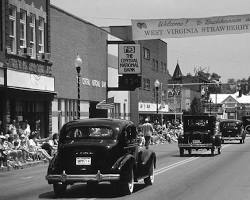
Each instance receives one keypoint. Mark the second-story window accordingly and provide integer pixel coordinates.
(146, 84)
(12, 30)
(33, 35)
(23, 29)
(153, 64)
(146, 53)
(41, 35)
(156, 66)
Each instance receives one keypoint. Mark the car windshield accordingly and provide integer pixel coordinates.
(89, 132)
(197, 124)
(229, 125)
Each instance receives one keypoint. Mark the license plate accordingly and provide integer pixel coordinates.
(83, 161)
(196, 141)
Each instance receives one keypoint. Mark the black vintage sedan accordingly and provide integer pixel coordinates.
(100, 150)
(199, 132)
(246, 123)
(232, 129)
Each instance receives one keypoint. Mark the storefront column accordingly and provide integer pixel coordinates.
(6, 114)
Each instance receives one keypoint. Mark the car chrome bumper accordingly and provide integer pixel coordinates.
(210, 145)
(232, 138)
(82, 178)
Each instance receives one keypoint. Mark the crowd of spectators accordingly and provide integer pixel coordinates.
(21, 145)
(166, 132)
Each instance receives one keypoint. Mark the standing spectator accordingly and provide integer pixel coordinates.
(147, 130)
(12, 127)
(27, 128)
(24, 129)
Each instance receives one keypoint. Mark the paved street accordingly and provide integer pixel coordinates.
(225, 176)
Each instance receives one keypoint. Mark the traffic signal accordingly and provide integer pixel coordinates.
(129, 82)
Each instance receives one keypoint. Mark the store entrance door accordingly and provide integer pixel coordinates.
(96, 113)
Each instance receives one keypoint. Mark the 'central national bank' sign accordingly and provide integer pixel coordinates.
(148, 29)
(129, 59)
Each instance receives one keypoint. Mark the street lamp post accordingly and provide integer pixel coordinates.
(157, 84)
(78, 63)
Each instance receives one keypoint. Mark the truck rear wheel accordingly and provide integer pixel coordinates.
(181, 152)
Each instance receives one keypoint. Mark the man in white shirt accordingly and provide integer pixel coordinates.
(147, 130)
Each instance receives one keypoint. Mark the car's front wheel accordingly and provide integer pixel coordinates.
(150, 179)
(59, 189)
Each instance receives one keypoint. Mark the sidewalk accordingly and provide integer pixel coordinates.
(24, 165)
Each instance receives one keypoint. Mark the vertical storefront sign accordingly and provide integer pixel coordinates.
(129, 59)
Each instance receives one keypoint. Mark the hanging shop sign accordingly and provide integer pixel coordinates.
(1, 76)
(151, 107)
(148, 29)
(93, 83)
(129, 59)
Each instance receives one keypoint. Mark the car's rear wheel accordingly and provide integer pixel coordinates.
(181, 152)
(59, 189)
(128, 187)
(212, 152)
(150, 179)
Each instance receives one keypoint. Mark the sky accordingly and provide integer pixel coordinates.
(227, 55)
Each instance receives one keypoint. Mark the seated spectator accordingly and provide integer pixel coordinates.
(3, 153)
(34, 147)
(26, 155)
(13, 155)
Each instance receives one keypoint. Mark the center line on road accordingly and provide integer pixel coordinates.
(27, 177)
(164, 169)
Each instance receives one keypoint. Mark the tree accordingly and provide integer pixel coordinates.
(229, 87)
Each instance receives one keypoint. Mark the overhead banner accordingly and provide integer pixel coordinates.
(148, 29)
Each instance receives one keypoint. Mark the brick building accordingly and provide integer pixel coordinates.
(70, 36)
(26, 81)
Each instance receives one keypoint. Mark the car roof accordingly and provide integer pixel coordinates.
(114, 123)
(231, 120)
(199, 116)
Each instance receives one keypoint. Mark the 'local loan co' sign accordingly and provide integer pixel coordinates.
(129, 59)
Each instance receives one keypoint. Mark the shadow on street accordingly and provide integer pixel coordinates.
(103, 190)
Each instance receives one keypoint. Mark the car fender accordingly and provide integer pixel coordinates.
(124, 161)
(52, 165)
(145, 156)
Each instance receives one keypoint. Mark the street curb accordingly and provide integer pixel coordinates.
(24, 165)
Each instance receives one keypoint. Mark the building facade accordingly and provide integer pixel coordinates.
(142, 102)
(26, 81)
(232, 106)
(70, 36)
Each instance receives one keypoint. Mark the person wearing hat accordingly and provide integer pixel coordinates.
(147, 130)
